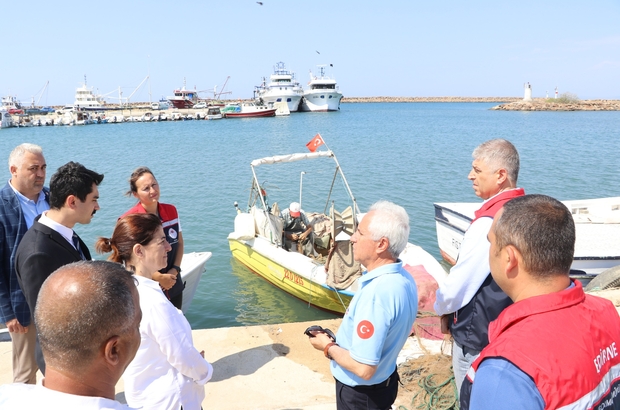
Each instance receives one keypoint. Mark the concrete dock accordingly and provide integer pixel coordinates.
(271, 366)
(255, 367)
(260, 367)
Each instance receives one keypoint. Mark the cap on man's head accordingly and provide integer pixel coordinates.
(294, 209)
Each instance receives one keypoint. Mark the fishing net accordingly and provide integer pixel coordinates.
(427, 383)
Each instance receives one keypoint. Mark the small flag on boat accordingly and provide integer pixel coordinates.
(315, 142)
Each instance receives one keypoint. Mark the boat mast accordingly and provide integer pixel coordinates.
(346, 184)
(277, 241)
(42, 92)
(149, 77)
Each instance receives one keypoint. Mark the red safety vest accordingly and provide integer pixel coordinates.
(567, 342)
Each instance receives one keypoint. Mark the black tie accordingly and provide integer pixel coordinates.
(76, 243)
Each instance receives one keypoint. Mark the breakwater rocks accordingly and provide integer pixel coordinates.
(428, 99)
(551, 105)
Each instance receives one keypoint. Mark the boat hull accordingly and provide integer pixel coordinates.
(192, 268)
(320, 102)
(261, 113)
(288, 279)
(182, 103)
(597, 246)
(291, 100)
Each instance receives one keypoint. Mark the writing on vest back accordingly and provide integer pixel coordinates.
(604, 356)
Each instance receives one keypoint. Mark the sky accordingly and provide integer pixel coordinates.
(407, 48)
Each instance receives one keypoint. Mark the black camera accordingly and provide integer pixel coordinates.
(317, 328)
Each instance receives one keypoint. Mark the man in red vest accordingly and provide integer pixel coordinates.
(469, 299)
(554, 347)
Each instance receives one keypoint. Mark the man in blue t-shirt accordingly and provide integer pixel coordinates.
(379, 318)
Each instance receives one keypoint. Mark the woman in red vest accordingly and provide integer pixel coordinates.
(144, 187)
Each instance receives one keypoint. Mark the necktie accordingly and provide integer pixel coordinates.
(76, 243)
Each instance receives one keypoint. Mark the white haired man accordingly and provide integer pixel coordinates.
(469, 299)
(21, 200)
(379, 318)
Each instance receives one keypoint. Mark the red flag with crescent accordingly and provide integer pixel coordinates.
(315, 142)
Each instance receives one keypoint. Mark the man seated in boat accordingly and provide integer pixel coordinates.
(297, 230)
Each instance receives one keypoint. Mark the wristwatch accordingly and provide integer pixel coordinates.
(177, 267)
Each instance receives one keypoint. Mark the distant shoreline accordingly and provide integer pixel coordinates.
(506, 103)
(429, 99)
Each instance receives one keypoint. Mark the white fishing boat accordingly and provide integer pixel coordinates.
(247, 110)
(597, 224)
(282, 87)
(72, 117)
(12, 105)
(85, 99)
(6, 119)
(214, 113)
(322, 93)
(327, 279)
(281, 108)
(192, 268)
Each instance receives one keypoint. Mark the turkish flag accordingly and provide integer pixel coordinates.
(315, 142)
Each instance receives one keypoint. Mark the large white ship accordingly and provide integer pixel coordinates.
(322, 93)
(85, 99)
(282, 87)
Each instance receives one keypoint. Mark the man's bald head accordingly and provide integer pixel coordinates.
(80, 307)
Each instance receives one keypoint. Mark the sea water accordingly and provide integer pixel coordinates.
(414, 154)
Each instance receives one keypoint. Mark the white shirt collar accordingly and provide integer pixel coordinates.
(23, 198)
(67, 233)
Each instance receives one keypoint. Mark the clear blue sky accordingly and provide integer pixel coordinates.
(378, 48)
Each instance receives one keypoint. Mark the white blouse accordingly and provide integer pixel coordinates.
(167, 372)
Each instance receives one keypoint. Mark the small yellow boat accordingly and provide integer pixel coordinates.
(327, 283)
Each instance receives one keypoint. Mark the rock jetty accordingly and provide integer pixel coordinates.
(429, 99)
(551, 105)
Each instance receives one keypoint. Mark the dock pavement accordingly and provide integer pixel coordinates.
(270, 367)
(264, 367)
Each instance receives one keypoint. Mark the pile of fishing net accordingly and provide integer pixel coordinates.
(427, 383)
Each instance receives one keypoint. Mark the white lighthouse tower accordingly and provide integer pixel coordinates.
(528, 92)
(556, 92)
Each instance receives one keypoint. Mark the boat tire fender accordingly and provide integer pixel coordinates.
(608, 279)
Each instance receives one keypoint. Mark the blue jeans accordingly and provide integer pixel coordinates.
(462, 358)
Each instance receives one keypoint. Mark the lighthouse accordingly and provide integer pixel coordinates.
(528, 92)
(556, 93)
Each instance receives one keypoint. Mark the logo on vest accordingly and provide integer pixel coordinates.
(365, 329)
(604, 356)
(172, 233)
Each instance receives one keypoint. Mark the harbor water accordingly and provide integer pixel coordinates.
(411, 153)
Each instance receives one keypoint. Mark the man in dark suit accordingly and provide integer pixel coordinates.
(21, 200)
(51, 242)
